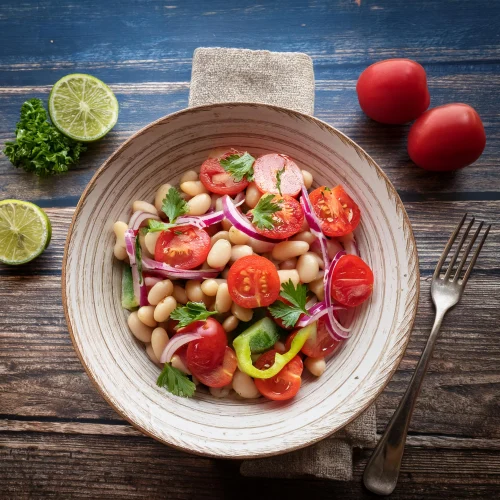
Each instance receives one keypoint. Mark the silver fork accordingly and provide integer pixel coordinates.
(382, 471)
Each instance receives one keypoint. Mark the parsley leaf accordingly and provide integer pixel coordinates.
(279, 173)
(39, 147)
(155, 226)
(239, 166)
(290, 313)
(173, 205)
(138, 256)
(176, 382)
(262, 214)
(192, 311)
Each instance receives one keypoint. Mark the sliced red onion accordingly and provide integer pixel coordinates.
(162, 269)
(138, 218)
(311, 302)
(201, 221)
(130, 245)
(175, 343)
(151, 281)
(239, 221)
(350, 244)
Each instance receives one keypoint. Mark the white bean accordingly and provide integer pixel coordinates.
(318, 288)
(239, 251)
(150, 241)
(217, 152)
(223, 300)
(218, 203)
(119, 229)
(180, 295)
(164, 308)
(193, 291)
(260, 247)
(306, 236)
(230, 323)
(159, 291)
(146, 315)
(220, 392)
(226, 224)
(237, 237)
(308, 178)
(193, 188)
(152, 356)
(252, 195)
(221, 235)
(209, 287)
(289, 249)
(176, 362)
(242, 313)
(159, 340)
(289, 264)
(190, 175)
(307, 267)
(219, 254)
(161, 192)
(289, 274)
(138, 328)
(244, 385)
(316, 366)
(333, 248)
(144, 206)
(120, 252)
(200, 204)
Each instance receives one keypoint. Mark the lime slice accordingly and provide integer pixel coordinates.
(82, 107)
(25, 231)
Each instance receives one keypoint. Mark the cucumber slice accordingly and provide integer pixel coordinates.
(262, 335)
(129, 300)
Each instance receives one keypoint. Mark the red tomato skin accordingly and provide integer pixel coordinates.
(289, 220)
(447, 138)
(222, 374)
(265, 169)
(351, 268)
(211, 167)
(393, 91)
(320, 346)
(253, 267)
(285, 384)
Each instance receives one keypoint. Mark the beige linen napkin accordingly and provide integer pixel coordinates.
(284, 79)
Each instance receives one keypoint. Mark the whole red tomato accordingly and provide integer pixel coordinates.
(393, 91)
(447, 137)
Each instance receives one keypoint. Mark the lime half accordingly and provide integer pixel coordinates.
(25, 231)
(82, 107)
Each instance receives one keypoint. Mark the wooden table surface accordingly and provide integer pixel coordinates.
(58, 437)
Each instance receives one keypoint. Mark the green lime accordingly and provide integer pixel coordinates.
(25, 231)
(82, 107)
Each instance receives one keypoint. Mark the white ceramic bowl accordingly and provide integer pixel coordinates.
(118, 364)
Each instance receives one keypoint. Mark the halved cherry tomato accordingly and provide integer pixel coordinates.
(287, 222)
(253, 281)
(217, 180)
(206, 353)
(318, 346)
(285, 384)
(265, 169)
(185, 247)
(352, 281)
(222, 374)
(337, 212)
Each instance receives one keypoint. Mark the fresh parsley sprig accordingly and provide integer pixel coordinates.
(155, 225)
(191, 312)
(176, 382)
(290, 313)
(173, 205)
(279, 173)
(262, 214)
(239, 166)
(138, 256)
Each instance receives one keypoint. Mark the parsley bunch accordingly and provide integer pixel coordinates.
(39, 147)
(297, 297)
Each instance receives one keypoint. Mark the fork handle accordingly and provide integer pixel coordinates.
(382, 471)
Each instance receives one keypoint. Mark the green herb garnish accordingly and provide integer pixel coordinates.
(176, 382)
(290, 313)
(191, 312)
(138, 255)
(155, 225)
(39, 147)
(279, 173)
(262, 214)
(173, 205)
(239, 166)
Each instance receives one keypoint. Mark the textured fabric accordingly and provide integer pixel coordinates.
(284, 79)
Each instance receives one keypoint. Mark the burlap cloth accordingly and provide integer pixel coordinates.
(283, 79)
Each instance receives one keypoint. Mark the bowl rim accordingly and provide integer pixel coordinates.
(362, 154)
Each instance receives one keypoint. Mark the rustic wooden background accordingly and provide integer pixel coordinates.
(58, 437)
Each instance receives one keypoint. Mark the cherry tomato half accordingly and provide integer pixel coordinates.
(207, 353)
(222, 374)
(447, 138)
(393, 91)
(337, 212)
(318, 346)
(352, 281)
(185, 247)
(287, 222)
(253, 281)
(266, 168)
(285, 384)
(217, 180)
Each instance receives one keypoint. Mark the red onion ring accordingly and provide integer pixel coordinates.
(175, 343)
(350, 244)
(162, 269)
(138, 218)
(151, 281)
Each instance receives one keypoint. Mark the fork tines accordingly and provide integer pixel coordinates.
(450, 274)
